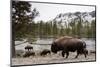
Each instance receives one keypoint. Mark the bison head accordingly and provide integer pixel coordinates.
(54, 47)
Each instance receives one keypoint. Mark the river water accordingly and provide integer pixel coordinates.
(45, 44)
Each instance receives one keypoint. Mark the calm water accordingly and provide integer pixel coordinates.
(45, 44)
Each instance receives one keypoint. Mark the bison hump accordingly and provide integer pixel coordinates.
(63, 38)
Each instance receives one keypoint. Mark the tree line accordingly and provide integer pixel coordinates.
(43, 29)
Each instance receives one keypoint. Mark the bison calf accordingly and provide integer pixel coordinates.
(45, 52)
(28, 54)
(84, 51)
(28, 47)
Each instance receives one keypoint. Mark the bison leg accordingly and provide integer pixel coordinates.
(67, 54)
(49, 52)
(63, 53)
(85, 54)
(77, 54)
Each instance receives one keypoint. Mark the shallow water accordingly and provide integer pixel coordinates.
(91, 44)
(45, 44)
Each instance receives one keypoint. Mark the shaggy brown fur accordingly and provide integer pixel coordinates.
(28, 54)
(66, 44)
(45, 52)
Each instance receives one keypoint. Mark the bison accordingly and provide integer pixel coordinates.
(45, 52)
(28, 54)
(28, 47)
(68, 44)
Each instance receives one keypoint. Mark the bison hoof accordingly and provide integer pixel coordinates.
(76, 57)
(62, 55)
(66, 56)
(85, 56)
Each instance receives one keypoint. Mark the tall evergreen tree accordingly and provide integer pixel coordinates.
(21, 16)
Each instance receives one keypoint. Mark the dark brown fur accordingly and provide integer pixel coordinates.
(28, 54)
(68, 44)
(45, 52)
(28, 47)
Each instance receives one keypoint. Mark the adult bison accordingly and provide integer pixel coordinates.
(68, 44)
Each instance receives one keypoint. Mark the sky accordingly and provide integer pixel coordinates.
(50, 11)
